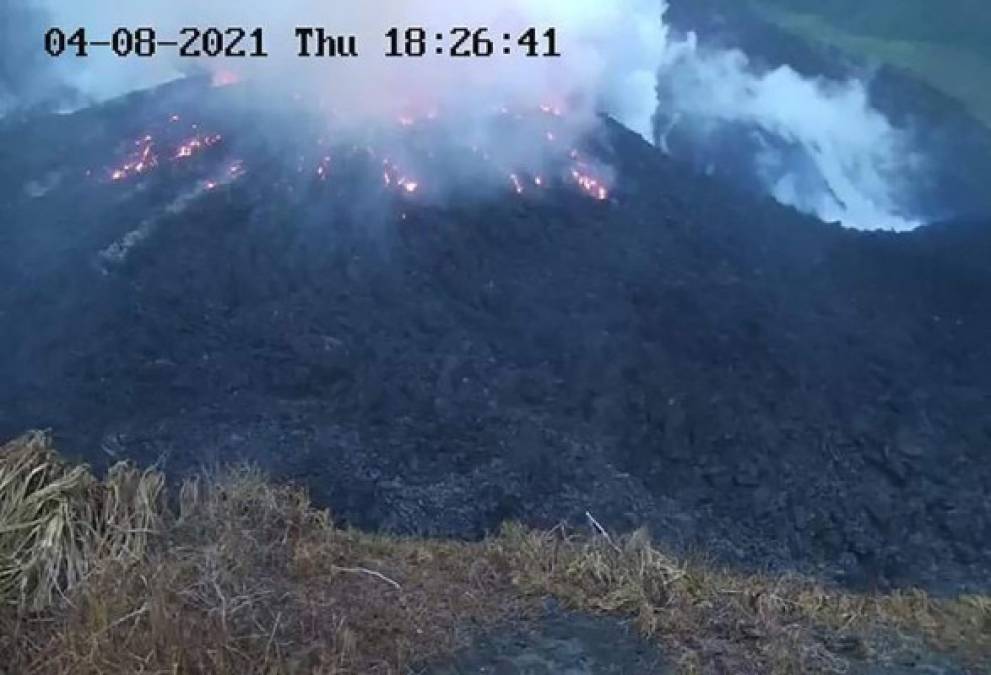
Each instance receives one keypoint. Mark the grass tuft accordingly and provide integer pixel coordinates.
(56, 519)
(245, 576)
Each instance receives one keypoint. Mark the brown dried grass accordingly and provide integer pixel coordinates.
(244, 576)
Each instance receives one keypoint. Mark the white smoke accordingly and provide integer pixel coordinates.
(830, 152)
(608, 53)
(824, 149)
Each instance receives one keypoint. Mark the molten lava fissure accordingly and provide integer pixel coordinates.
(195, 144)
(590, 185)
(426, 155)
(144, 156)
(140, 161)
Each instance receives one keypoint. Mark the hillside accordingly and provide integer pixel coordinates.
(230, 573)
(947, 45)
(741, 379)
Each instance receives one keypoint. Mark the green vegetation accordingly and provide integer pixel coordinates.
(964, 23)
(242, 576)
(946, 44)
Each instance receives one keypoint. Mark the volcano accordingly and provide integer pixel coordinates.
(612, 333)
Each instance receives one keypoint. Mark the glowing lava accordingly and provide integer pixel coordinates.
(420, 170)
(193, 145)
(590, 186)
(142, 160)
(145, 156)
(391, 175)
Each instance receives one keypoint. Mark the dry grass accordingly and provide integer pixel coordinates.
(243, 576)
(714, 620)
(56, 520)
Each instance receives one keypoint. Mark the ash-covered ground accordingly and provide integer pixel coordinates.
(642, 343)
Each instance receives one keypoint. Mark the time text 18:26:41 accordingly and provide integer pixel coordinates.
(310, 42)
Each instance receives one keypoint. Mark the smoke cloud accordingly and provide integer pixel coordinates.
(817, 145)
(601, 68)
(26, 74)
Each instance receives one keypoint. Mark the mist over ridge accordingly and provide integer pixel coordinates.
(814, 143)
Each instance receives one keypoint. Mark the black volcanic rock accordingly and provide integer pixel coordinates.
(739, 377)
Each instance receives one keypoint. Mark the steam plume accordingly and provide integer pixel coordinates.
(817, 145)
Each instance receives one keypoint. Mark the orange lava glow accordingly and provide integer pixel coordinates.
(590, 186)
(195, 144)
(559, 164)
(142, 160)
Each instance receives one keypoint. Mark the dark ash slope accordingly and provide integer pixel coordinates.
(742, 378)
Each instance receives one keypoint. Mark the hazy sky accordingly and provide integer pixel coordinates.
(609, 50)
(852, 164)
